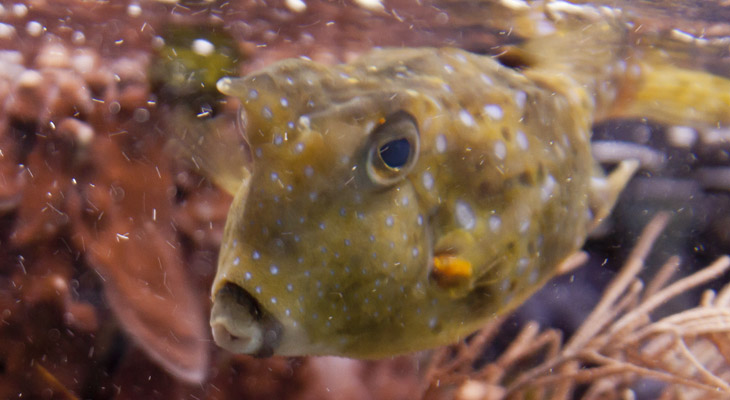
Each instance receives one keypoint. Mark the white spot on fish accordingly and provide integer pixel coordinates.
(289, 287)
(347, 242)
(304, 123)
(273, 300)
(524, 226)
(448, 68)
(247, 276)
(494, 111)
(495, 223)
(274, 176)
(500, 150)
(284, 102)
(322, 226)
(486, 79)
(308, 171)
(522, 264)
(427, 180)
(274, 269)
(464, 215)
(258, 289)
(522, 141)
(520, 99)
(414, 252)
(299, 147)
(441, 143)
(389, 221)
(236, 261)
(432, 322)
(253, 94)
(266, 113)
(278, 140)
(466, 118)
(547, 188)
(287, 312)
(419, 220)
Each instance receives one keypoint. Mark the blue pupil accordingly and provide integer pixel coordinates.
(395, 153)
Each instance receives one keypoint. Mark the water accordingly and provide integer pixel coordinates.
(109, 239)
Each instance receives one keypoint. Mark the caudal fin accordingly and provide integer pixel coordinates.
(675, 96)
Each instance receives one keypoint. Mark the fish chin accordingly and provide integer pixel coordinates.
(241, 325)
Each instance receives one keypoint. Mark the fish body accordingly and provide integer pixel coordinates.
(400, 201)
(343, 256)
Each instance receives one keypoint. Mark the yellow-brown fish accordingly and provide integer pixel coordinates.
(398, 202)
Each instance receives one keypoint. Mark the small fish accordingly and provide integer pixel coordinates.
(400, 201)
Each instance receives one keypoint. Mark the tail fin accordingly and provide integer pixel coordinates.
(630, 74)
(675, 96)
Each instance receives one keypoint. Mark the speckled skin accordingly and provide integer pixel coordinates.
(344, 264)
(326, 251)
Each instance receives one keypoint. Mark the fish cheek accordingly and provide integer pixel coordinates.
(228, 269)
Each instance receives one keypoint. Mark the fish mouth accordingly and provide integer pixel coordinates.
(241, 325)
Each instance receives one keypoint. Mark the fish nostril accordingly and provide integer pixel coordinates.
(242, 298)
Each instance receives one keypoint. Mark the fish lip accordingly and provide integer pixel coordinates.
(241, 325)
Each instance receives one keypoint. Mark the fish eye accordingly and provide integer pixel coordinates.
(395, 153)
(393, 148)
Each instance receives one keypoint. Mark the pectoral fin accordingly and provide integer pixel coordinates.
(213, 147)
(605, 190)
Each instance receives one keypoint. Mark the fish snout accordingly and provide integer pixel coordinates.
(241, 325)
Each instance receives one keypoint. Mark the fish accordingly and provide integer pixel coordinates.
(400, 201)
